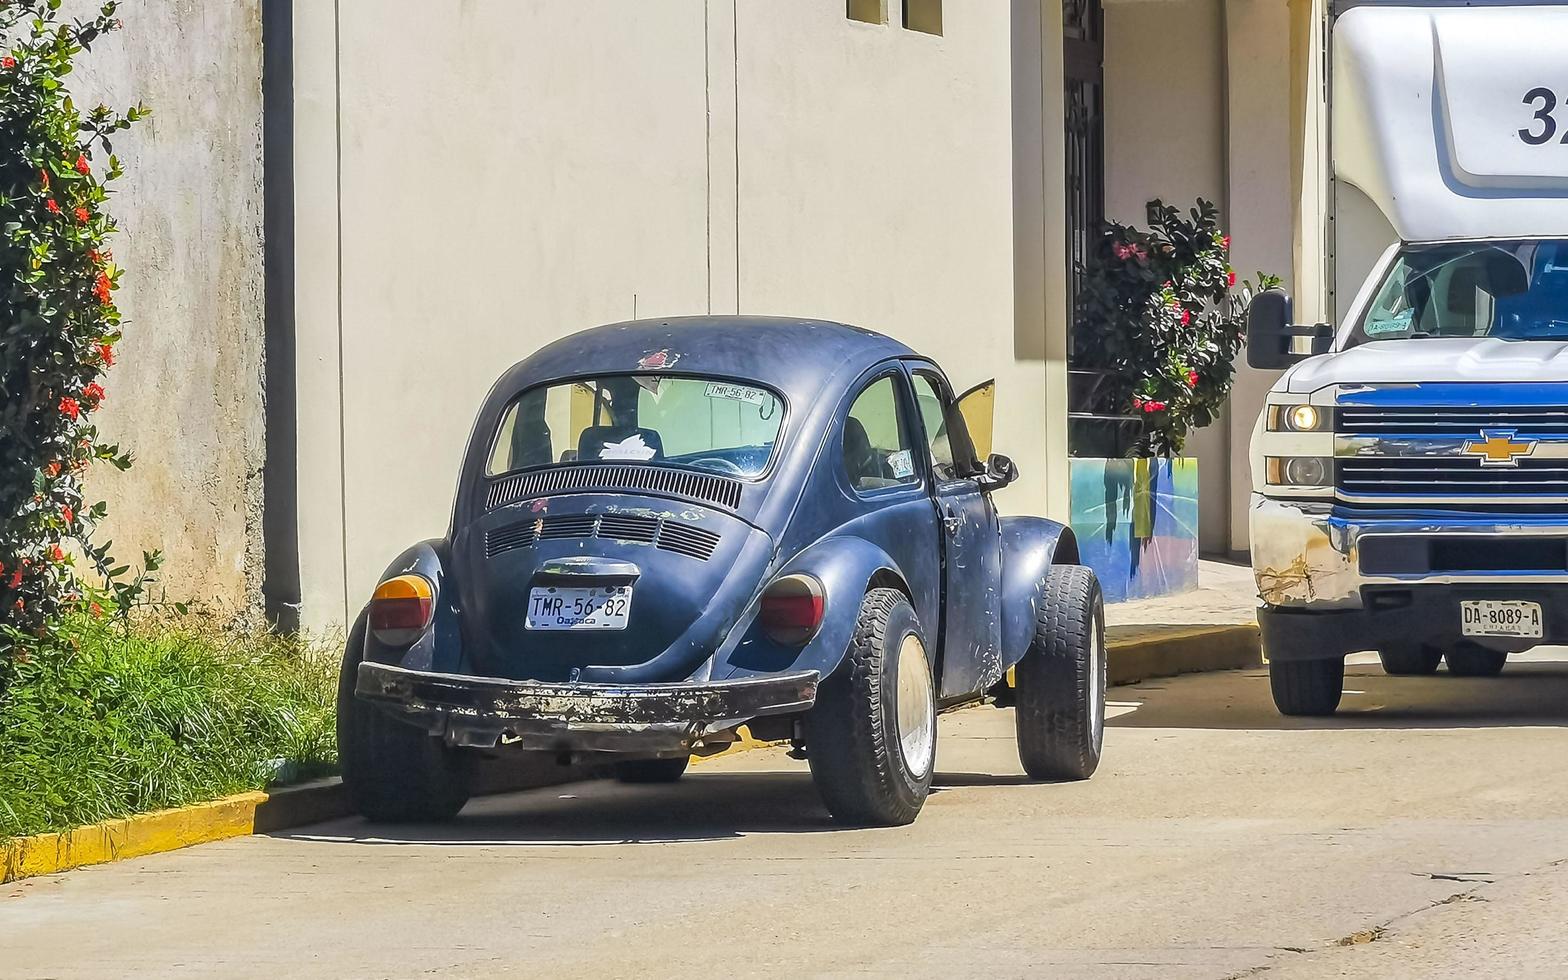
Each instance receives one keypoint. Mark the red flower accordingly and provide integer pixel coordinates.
(53, 469)
(1230, 278)
(83, 215)
(58, 554)
(70, 407)
(102, 290)
(93, 393)
(51, 205)
(1137, 401)
(82, 166)
(7, 62)
(1186, 317)
(16, 579)
(106, 351)
(67, 513)
(1149, 407)
(1192, 379)
(1225, 242)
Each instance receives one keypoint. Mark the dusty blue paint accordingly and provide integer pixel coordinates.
(1136, 521)
(695, 620)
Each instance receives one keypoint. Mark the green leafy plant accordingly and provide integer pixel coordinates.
(1162, 313)
(58, 322)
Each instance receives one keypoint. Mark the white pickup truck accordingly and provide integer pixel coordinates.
(1410, 469)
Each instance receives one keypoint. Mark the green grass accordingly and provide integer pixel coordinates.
(168, 714)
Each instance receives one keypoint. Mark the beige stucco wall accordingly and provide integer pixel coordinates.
(541, 168)
(1258, 188)
(1165, 138)
(186, 394)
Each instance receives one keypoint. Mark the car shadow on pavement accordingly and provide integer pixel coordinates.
(1528, 694)
(700, 807)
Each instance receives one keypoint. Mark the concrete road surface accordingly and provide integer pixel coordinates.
(1422, 833)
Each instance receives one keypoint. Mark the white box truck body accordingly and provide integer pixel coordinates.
(1410, 469)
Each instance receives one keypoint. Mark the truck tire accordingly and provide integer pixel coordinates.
(1406, 661)
(871, 737)
(393, 772)
(1061, 679)
(652, 770)
(1308, 688)
(1470, 660)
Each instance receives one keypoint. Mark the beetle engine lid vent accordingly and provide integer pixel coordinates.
(667, 534)
(719, 490)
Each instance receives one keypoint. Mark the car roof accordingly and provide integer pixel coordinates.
(796, 356)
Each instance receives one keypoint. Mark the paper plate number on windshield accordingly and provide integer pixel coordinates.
(601, 608)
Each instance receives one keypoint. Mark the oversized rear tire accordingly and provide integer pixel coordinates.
(871, 737)
(394, 773)
(1470, 660)
(652, 770)
(1308, 688)
(1061, 680)
(1408, 661)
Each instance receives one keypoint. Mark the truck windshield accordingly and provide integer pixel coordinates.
(1512, 290)
(704, 423)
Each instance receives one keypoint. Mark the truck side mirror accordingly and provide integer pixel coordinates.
(1273, 342)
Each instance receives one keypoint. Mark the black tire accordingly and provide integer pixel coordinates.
(1470, 660)
(652, 770)
(1409, 661)
(394, 772)
(1308, 688)
(858, 758)
(1061, 680)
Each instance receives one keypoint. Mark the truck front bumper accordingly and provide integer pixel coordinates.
(1319, 600)
(643, 719)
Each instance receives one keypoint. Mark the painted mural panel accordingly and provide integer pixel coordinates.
(1137, 524)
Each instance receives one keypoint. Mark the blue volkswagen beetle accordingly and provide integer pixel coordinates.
(665, 530)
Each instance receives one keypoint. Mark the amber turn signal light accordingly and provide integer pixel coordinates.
(792, 610)
(401, 609)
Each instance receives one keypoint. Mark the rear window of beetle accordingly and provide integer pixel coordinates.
(709, 424)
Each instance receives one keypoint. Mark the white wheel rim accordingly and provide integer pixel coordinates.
(1096, 681)
(916, 711)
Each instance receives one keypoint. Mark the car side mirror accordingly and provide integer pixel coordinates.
(999, 472)
(1273, 342)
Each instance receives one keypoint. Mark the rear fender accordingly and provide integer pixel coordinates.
(441, 646)
(847, 567)
(1030, 546)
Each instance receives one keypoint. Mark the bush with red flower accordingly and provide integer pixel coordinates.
(58, 321)
(1161, 313)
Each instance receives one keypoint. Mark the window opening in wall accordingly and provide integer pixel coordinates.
(924, 16)
(867, 11)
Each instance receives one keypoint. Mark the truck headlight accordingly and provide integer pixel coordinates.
(1297, 418)
(1299, 471)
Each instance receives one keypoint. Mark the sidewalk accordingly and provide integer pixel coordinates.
(1214, 627)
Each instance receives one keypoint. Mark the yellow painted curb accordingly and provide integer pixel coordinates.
(745, 743)
(115, 840)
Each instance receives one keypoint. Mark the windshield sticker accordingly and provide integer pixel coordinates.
(903, 465)
(632, 447)
(1398, 323)
(658, 360)
(735, 393)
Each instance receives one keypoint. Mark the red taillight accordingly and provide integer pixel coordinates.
(792, 609)
(401, 609)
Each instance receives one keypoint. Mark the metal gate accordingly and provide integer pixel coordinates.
(1083, 33)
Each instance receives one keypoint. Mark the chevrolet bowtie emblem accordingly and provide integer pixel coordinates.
(1499, 447)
